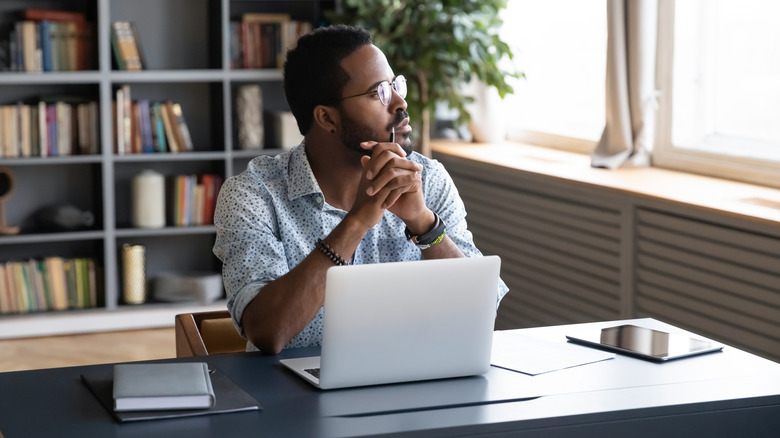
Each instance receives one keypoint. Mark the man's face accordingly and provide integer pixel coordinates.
(365, 118)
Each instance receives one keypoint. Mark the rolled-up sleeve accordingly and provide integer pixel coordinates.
(247, 243)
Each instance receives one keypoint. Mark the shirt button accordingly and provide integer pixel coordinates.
(319, 198)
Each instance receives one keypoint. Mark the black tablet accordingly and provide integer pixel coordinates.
(645, 343)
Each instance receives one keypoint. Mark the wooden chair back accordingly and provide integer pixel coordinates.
(205, 333)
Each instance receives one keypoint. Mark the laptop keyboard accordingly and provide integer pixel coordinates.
(314, 372)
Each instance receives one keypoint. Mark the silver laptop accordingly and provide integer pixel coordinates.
(405, 321)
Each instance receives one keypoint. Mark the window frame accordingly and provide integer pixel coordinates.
(665, 154)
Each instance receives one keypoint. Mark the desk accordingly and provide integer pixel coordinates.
(732, 393)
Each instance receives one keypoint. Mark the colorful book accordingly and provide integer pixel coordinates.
(69, 269)
(171, 130)
(45, 283)
(127, 118)
(124, 46)
(43, 130)
(10, 286)
(160, 127)
(56, 275)
(135, 136)
(147, 143)
(182, 128)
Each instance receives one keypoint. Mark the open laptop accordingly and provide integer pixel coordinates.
(404, 321)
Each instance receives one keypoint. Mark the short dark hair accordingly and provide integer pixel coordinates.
(312, 72)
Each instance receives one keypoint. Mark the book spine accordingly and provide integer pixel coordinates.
(10, 286)
(184, 130)
(54, 46)
(35, 140)
(126, 46)
(158, 120)
(120, 62)
(43, 129)
(147, 144)
(127, 117)
(135, 139)
(171, 128)
(25, 133)
(43, 279)
(5, 304)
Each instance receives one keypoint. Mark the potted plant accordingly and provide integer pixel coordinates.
(438, 45)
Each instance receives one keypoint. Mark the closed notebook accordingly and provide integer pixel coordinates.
(162, 386)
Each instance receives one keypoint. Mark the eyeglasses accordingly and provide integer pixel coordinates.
(384, 90)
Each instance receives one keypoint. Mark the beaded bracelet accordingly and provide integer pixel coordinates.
(328, 251)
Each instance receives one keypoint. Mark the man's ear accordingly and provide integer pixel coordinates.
(327, 118)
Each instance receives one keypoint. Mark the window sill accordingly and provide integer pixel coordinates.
(729, 197)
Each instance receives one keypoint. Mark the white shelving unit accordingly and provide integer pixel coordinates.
(186, 45)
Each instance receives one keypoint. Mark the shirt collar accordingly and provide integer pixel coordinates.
(300, 178)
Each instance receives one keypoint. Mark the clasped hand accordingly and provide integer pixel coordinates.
(390, 182)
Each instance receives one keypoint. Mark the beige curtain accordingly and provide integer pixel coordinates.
(627, 140)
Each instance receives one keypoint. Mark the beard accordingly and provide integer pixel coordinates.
(354, 133)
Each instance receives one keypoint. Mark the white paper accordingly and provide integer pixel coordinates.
(533, 356)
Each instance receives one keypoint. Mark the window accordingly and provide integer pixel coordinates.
(561, 47)
(720, 81)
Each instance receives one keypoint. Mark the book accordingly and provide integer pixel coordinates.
(10, 288)
(182, 128)
(119, 125)
(45, 284)
(5, 305)
(229, 398)
(126, 119)
(52, 135)
(55, 272)
(25, 133)
(92, 279)
(43, 130)
(64, 124)
(28, 44)
(170, 128)
(135, 135)
(125, 48)
(70, 284)
(147, 142)
(70, 40)
(159, 128)
(145, 387)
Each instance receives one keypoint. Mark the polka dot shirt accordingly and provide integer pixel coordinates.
(269, 217)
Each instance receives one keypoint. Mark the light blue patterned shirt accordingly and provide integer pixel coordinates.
(269, 217)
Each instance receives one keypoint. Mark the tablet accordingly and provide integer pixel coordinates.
(645, 343)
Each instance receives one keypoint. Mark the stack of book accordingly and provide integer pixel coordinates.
(49, 40)
(262, 40)
(194, 198)
(142, 126)
(53, 283)
(52, 127)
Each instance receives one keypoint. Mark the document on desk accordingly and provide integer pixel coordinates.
(533, 356)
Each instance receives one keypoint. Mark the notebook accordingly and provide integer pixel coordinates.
(404, 321)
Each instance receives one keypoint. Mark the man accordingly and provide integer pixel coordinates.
(346, 194)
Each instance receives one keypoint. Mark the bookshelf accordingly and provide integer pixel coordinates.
(186, 46)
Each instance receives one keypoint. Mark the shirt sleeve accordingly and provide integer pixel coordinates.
(247, 243)
(443, 198)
